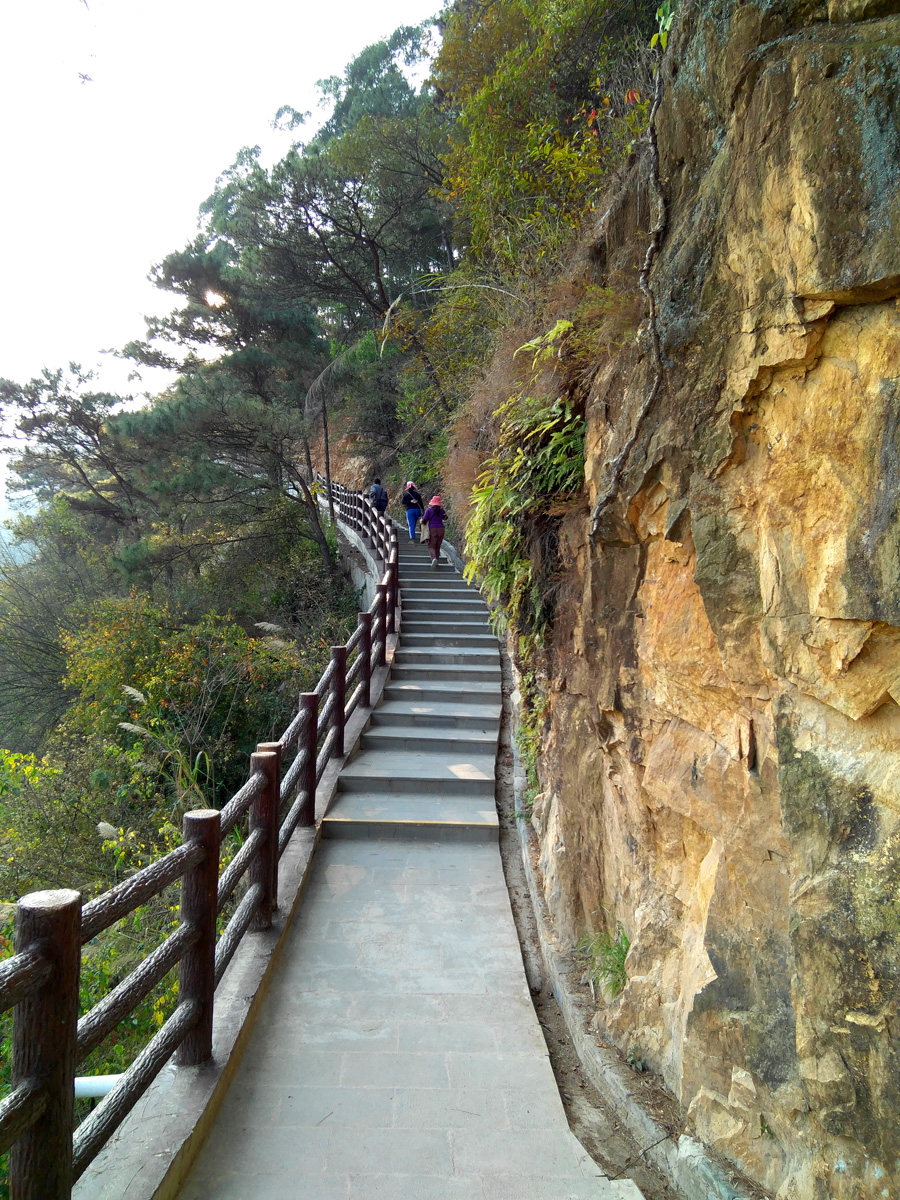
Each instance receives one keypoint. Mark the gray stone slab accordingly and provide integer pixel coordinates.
(419, 765)
(521, 1152)
(327, 1049)
(417, 708)
(462, 744)
(436, 809)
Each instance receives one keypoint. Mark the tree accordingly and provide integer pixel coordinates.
(45, 588)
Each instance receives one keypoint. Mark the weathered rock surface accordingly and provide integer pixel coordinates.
(723, 764)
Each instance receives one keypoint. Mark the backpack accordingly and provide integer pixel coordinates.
(378, 496)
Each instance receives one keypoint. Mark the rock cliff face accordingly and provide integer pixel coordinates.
(722, 768)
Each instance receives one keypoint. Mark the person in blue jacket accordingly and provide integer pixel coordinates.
(412, 502)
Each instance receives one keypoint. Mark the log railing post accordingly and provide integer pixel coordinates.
(381, 611)
(309, 704)
(271, 846)
(339, 691)
(394, 589)
(365, 659)
(44, 1030)
(389, 602)
(199, 901)
(264, 816)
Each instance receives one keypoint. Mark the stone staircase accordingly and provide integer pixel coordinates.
(397, 1053)
(426, 763)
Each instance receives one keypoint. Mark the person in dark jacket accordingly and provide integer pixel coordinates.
(433, 517)
(412, 502)
(378, 495)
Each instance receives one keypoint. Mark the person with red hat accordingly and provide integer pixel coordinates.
(433, 517)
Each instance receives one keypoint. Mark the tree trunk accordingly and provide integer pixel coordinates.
(327, 464)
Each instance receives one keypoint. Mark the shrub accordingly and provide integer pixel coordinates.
(605, 954)
(537, 467)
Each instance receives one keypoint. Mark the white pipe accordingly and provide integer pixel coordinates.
(87, 1086)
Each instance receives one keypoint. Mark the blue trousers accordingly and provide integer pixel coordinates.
(412, 515)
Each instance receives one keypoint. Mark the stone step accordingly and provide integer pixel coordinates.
(441, 623)
(424, 672)
(424, 570)
(383, 814)
(436, 691)
(410, 772)
(443, 608)
(417, 712)
(449, 594)
(450, 640)
(475, 621)
(435, 581)
(437, 593)
(459, 742)
(432, 583)
(462, 656)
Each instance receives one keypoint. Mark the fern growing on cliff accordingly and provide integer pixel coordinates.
(539, 462)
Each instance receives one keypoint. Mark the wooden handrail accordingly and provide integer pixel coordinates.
(121, 1001)
(21, 975)
(125, 897)
(117, 1104)
(40, 981)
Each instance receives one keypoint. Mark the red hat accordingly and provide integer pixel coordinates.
(435, 499)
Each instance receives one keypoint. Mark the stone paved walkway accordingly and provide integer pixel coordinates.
(397, 1054)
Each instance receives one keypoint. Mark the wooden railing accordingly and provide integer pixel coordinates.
(41, 980)
(357, 512)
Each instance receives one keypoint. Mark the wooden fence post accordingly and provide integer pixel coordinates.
(389, 603)
(274, 748)
(381, 611)
(393, 567)
(309, 704)
(44, 1030)
(339, 691)
(264, 816)
(199, 902)
(383, 540)
(365, 659)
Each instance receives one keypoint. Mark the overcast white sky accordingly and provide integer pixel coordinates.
(100, 179)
